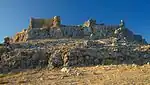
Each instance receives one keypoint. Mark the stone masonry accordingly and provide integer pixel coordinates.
(52, 28)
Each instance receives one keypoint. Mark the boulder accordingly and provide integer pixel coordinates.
(55, 59)
(20, 36)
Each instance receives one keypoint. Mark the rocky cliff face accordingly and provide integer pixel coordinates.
(71, 52)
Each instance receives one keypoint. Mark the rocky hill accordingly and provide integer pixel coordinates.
(71, 52)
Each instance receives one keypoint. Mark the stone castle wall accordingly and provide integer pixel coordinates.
(65, 31)
(52, 28)
(45, 23)
(104, 31)
(70, 31)
(39, 23)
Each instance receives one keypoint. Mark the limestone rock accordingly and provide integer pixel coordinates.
(65, 69)
(55, 59)
(69, 52)
(20, 36)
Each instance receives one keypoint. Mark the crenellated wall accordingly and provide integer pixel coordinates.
(71, 31)
(52, 28)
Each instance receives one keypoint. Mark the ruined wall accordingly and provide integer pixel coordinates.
(72, 31)
(105, 31)
(89, 23)
(45, 23)
(40, 28)
(64, 31)
(52, 28)
(56, 21)
(39, 23)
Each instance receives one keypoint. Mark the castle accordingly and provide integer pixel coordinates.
(52, 28)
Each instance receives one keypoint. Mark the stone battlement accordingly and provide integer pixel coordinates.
(52, 28)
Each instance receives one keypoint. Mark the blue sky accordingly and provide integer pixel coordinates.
(15, 14)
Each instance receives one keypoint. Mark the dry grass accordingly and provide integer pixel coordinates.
(95, 75)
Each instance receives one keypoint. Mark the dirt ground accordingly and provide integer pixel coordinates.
(94, 75)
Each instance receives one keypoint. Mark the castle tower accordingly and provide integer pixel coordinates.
(56, 21)
(89, 23)
(122, 24)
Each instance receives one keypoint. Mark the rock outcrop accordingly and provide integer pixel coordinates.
(71, 52)
(20, 36)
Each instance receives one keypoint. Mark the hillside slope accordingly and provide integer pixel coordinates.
(95, 75)
(71, 52)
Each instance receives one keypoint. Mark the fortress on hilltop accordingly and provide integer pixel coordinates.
(48, 43)
(52, 28)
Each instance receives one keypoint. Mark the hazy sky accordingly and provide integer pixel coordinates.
(15, 14)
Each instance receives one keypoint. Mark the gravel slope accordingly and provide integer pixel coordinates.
(95, 75)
